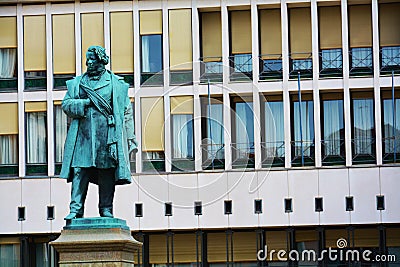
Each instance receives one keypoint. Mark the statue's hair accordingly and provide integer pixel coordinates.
(100, 53)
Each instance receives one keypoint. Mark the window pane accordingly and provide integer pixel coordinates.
(274, 129)
(361, 57)
(9, 149)
(10, 255)
(215, 131)
(390, 130)
(331, 59)
(244, 123)
(333, 130)
(363, 125)
(36, 137)
(8, 59)
(61, 121)
(242, 63)
(182, 138)
(304, 130)
(151, 53)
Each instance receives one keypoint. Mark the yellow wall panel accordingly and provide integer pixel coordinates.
(276, 240)
(360, 26)
(211, 31)
(92, 33)
(180, 39)
(157, 249)
(181, 104)
(389, 21)
(152, 123)
(8, 32)
(35, 106)
(64, 44)
(150, 22)
(330, 27)
(271, 34)
(185, 248)
(393, 237)
(121, 27)
(8, 118)
(244, 246)
(35, 43)
(216, 247)
(300, 31)
(241, 32)
(366, 238)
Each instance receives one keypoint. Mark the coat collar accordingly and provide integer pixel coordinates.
(104, 81)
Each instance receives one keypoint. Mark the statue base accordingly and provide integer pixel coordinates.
(96, 242)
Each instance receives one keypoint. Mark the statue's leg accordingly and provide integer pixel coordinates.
(106, 191)
(79, 188)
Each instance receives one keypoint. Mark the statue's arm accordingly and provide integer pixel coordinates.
(129, 126)
(74, 107)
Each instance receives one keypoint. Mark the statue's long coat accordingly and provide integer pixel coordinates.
(74, 107)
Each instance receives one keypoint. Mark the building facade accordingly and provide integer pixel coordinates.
(260, 123)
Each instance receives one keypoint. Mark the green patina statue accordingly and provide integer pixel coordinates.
(101, 135)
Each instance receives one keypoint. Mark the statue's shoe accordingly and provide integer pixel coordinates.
(73, 215)
(106, 213)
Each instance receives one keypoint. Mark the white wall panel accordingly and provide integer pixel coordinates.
(242, 191)
(60, 198)
(153, 193)
(390, 184)
(212, 192)
(334, 187)
(124, 207)
(364, 186)
(36, 198)
(183, 192)
(303, 188)
(273, 189)
(10, 200)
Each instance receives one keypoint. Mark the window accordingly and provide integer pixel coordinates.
(182, 142)
(35, 52)
(300, 42)
(9, 139)
(330, 41)
(132, 156)
(36, 138)
(211, 47)
(213, 148)
(302, 130)
(360, 39)
(61, 122)
(333, 146)
(389, 42)
(240, 35)
(152, 119)
(8, 53)
(182, 133)
(363, 128)
(10, 255)
(151, 58)
(391, 126)
(180, 46)
(271, 44)
(121, 54)
(243, 133)
(273, 138)
(63, 27)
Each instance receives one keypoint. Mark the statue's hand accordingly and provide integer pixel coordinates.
(87, 102)
(132, 146)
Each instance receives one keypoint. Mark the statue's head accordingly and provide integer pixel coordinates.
(96, 59)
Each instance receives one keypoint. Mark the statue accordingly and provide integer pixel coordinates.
(101, 135)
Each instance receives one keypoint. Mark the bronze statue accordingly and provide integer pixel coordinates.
(101, 135)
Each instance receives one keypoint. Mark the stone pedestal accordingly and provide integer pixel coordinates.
(96, 242)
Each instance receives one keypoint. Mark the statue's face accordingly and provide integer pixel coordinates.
(92, 62)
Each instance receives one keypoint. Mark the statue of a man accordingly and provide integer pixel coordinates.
(101, 134)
